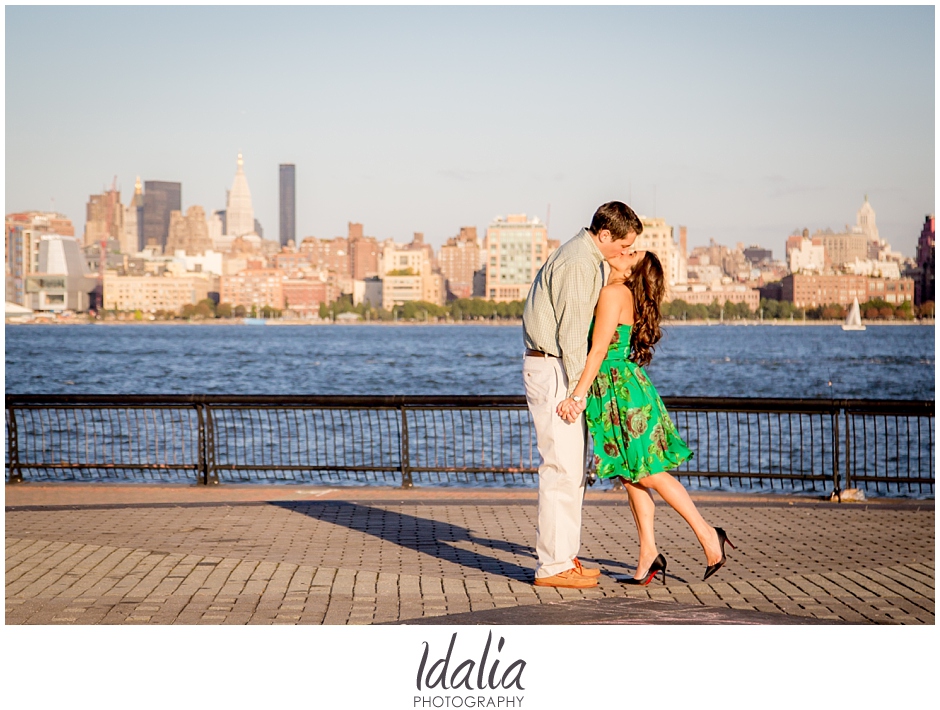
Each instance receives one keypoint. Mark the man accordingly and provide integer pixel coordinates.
(555, 325)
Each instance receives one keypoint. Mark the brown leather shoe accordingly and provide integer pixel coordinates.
(586, 571)
(569, 578)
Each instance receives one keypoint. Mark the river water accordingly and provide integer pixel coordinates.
(883, 362)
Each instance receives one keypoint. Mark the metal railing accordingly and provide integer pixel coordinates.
(797, 445)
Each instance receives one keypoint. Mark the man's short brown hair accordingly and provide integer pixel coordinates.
(618, 218)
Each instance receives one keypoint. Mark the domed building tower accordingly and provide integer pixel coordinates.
(865, 220)
(239, 216)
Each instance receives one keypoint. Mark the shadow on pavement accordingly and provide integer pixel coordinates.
(430, 537)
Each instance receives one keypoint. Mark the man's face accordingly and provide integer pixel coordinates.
(612, 248)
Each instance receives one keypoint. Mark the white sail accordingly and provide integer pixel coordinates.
(854, 320)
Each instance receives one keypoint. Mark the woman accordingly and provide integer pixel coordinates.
(634, 438)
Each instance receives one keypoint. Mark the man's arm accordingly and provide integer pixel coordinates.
(574, 288)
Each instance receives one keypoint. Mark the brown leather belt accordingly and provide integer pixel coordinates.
(537, 353)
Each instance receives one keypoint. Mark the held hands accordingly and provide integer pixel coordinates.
(569, 410)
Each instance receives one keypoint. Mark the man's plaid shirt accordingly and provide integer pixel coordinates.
(560, 305)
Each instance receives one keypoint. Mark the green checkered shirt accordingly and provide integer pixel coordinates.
(560, 305)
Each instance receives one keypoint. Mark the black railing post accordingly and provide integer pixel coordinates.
(848, 450)
(836, 478)
(406, 481)
(211, 474)
(201, 466)
(16, 473)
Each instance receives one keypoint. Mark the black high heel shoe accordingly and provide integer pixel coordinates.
(722, 539)
(659, 565)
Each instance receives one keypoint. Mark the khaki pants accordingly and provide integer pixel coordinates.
(561, 475)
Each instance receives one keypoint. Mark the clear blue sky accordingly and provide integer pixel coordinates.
(740, 123)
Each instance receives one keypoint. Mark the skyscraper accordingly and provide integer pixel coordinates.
(160, 198)
(189, 232)
(103, 212)
(132, 238)
(239, 216)
(288, 229)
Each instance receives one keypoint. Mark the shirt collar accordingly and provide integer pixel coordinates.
(595, 252)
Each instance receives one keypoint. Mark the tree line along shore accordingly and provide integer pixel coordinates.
(478, 310)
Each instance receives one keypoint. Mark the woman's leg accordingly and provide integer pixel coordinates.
(643, 508)
(675, 495)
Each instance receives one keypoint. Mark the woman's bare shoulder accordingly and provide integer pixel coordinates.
(616, 293)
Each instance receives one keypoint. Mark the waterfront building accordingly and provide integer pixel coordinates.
(132, 236)
(293, 264)
(811, 290)
(21, 255)
(149, 293)
(459, 260)
(805, 256)
(700, 293)
(287, 230)
(160, 199)
(189, 233)
(843, 247)
(795, 241)
(61, 281)
(363, 253)
(304, 296)
(239, 215)
(924, 271)
(257, 287)
(417, 243)
(407, 273)
(514, 250)
(327, 254)
(657, 237)
(371, 292)
(401, 288)
(683, 257)
(104, 218)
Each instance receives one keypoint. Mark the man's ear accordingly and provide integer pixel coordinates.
(605, 236)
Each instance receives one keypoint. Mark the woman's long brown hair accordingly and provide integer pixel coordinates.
(648, 287)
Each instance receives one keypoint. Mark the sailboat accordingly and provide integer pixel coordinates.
(853, 321)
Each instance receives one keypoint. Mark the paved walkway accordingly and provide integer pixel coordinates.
(132, 554)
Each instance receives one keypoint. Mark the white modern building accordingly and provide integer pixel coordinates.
(61, 281)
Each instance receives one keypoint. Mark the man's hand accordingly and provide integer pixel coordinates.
(569, 410)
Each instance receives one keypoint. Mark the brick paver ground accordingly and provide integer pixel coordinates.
(91, 554)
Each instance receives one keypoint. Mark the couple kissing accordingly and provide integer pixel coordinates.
(590, 324)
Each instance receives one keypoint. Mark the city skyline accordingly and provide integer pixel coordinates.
(773, 119)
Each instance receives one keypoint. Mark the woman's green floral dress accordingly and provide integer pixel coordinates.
(633, 434)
